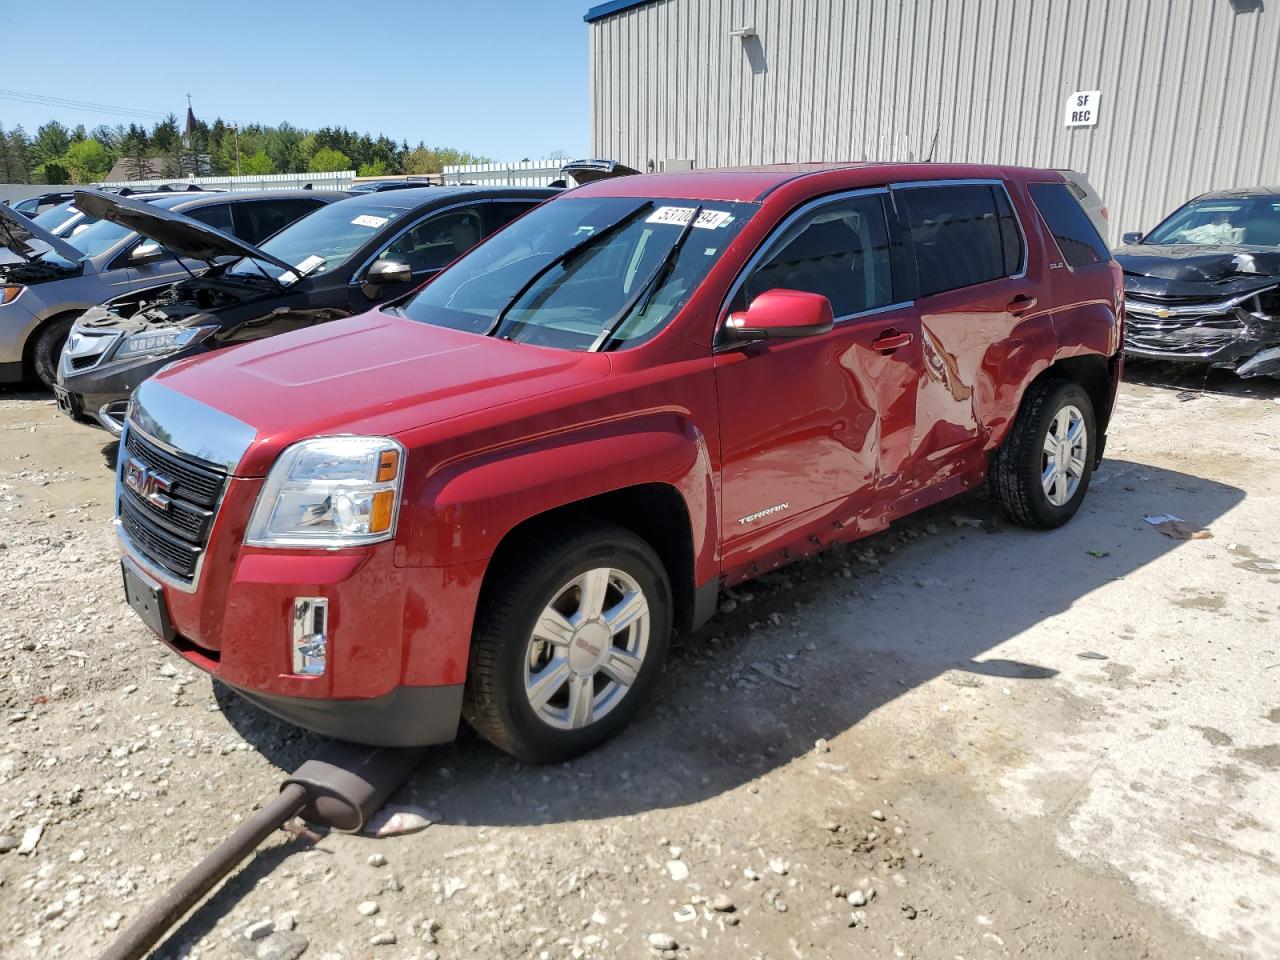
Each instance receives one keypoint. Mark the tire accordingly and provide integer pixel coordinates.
(1019, 467)
(46, 350)
(511, 668)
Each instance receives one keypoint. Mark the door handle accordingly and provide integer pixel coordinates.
(1021, 304)
(890, 340)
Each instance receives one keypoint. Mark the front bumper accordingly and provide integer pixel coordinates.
(405, 717)
(1230, 338)
(398, 638)
(100, 394)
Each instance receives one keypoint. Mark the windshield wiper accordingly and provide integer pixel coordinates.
(568, 256)
(640, 300)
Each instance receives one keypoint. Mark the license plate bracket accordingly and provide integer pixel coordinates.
(147, 601)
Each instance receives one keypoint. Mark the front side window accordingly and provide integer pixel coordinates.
(963, 234)
(323, 240)
(584, 273)
(841, 250)
(1252, 221)
(436, 241)
(1070, 225)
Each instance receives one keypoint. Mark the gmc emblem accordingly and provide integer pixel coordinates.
(146, 483)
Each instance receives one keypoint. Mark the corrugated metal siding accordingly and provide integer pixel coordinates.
(1190, 88)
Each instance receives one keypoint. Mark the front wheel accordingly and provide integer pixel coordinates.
(569, 644)
(1041, 472)
(46, 351)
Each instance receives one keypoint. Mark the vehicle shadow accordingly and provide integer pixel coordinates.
(809, 651)
(1196, 378)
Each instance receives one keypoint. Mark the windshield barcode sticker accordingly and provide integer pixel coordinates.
(679, 216)
(369, 220)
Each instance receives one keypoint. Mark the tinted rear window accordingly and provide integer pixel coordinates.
(1069, 224)
(963, 234)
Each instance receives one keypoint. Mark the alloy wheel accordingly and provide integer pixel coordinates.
(1066, 444)
(587, 648)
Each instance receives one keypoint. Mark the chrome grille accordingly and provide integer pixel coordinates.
(173, 535)
(1194, 335)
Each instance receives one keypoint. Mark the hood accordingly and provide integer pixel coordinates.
(184, 236)
(375, 373)
(589, 171)
(17, 232)
(1186, 269)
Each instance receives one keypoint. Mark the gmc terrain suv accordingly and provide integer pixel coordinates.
(497, 497)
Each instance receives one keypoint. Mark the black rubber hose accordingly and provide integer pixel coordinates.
(147, 930)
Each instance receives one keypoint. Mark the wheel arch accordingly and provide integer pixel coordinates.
(634, 508)
(1098, 375)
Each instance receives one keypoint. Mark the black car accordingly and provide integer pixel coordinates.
(341, 260)
(1204, 286)
(380, 186)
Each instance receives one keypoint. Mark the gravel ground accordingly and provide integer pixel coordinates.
(955, 739)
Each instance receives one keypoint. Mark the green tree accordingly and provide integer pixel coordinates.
(257, 164)
(87, 161)
(51, 172)
(378, 168)
(20, 163)
(327, 160)
(52, 141)
(166, 136)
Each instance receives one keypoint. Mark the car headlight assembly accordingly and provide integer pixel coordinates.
(330, 492)
(161, 341)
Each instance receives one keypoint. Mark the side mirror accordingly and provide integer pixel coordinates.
(146, 252)
(1134, 237)
(782, 315)
(388, 271)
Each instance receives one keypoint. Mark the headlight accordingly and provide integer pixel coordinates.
(162, 341)
(9, 293)
(330, 492)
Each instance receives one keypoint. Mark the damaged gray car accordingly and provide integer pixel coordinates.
(1204, 286)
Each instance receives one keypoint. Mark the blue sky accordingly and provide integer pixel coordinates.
(506, 78)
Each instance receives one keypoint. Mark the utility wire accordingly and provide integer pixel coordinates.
(86, 106)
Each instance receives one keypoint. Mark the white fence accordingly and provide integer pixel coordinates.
(525, 173)
(339, 180)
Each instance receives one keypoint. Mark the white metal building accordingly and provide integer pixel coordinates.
(1185, 93)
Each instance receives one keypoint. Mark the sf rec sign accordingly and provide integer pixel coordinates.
(1082, 108)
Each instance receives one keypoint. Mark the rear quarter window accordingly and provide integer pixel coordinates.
(1070, 225)
(963, 234)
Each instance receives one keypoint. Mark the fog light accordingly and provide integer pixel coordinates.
(310, 643)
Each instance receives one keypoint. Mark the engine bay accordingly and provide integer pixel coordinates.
(180, 303)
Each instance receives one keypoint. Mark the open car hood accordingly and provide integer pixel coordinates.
(17, 232)
(589, 171)
(179, 234)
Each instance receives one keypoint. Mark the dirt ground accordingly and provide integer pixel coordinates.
(1008, 743)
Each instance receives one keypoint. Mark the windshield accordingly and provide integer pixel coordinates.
(1233, 221)
(583, 273)
(97, 236)
(323, 240)
(55, 218)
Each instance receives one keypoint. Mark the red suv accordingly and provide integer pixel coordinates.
(497, 497)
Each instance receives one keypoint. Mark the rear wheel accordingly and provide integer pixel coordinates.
(46, 350)
(569, 644)
(1041, 472)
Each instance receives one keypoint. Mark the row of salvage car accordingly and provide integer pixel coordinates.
(101, 291)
